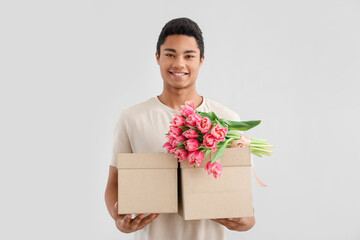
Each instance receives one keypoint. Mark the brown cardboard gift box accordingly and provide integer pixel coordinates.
(147, 183)
(204, 197)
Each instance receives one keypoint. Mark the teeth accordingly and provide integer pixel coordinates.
(179, 74)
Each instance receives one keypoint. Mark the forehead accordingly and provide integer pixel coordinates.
(180, 43)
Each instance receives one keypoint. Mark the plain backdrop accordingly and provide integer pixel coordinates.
(68, 68)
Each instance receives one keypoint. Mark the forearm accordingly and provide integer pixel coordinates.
(111, 196)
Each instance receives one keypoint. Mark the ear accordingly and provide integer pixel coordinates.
(157, 58)
(202, 60)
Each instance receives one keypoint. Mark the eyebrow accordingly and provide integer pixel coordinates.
(173, 50)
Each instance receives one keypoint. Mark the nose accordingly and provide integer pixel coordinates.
(178, 62)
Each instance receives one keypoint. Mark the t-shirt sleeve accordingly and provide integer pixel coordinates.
(236, 117)
(121, 139)
(231, 115)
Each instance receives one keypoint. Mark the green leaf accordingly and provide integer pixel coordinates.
(184, 128)
(233, 132)
(211, 115)
(181, 145)
(220, 123)
(241, 125)
(207, 152)
(220, 151)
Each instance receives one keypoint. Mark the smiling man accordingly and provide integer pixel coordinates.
(141, 128)
(180, 60)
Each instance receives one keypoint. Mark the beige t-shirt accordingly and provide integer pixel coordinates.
(141, 129)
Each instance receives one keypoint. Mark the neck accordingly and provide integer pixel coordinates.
(174, 99)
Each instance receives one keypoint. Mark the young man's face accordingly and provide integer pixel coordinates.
(179, 61)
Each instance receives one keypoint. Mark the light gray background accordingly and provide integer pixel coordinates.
(68, 68)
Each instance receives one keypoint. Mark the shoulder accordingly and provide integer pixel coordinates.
(222, 111)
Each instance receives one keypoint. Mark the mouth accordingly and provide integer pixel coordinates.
(178, 74)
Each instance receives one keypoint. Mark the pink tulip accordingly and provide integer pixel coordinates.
(214, 168)
(171, 139)
(192, 120)
(175, 131)
(244, 141)
(181, 154)
(191, 145)
(209, 141)
(178, 140)
(187, 110)
(190, 134)
(195, 158)
(178, 120)
(204, 125)
(219, 133)
(190, 103)
(169, 147)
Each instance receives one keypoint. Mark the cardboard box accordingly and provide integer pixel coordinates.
(229, 196)
(147, 183)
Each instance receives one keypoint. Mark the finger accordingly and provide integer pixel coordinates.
(241, 220)
(231, 225)
(148, 219)
(220, 220)
(137, 220)
(233, 220)
(143, 224)
(127, 219)
(121, 216)
(223, 221)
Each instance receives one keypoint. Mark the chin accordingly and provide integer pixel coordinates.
(181, 86)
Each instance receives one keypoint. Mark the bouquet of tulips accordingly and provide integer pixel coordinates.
(195, 134)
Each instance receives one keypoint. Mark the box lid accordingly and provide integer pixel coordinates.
(231, 157)
(146, 160)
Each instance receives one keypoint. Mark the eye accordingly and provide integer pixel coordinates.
(169, 55)
(190, 56)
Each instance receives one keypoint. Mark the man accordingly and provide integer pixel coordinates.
(142, 128)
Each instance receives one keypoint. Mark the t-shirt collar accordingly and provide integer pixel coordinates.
(202, 105)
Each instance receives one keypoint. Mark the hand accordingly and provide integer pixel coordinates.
(127, 225)
(237, 224)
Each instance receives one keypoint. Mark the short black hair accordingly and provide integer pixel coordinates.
(183, 26)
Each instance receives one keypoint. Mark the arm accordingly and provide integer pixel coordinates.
(111, 192)
(123, 221)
